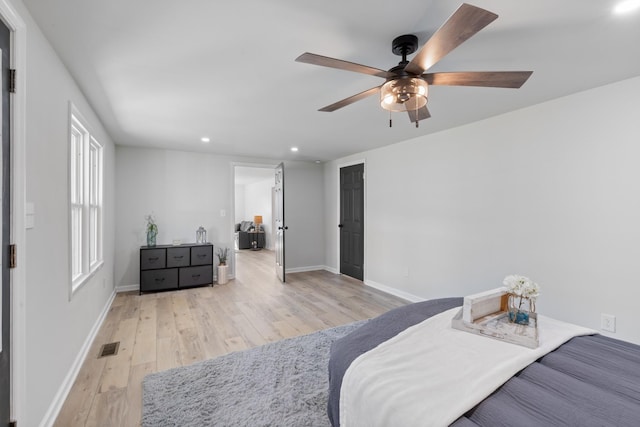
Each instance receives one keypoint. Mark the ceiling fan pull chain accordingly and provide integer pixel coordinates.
(390, 122)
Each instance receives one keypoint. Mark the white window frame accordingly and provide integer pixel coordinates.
(86, 177)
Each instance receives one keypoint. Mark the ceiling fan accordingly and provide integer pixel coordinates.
(406, 85)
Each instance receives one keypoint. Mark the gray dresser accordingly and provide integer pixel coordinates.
(175, 267)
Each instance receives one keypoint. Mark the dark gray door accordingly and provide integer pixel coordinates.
(278, 215)
(5, 351)
(352, 221)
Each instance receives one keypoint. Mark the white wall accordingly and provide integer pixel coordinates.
(185, 190)
(55, 327)
(550, 192)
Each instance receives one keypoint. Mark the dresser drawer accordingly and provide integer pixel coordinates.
(202, 255)
(154, 280)
(152, 258)
(177, 257)
(195, 276)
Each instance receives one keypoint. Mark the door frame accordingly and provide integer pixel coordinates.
(232, 192)
(366, 222)
(16, 25)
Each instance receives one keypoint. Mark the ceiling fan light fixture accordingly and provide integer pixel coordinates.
(404, 94)
(389, 99)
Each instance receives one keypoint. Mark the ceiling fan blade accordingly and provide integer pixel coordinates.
(506, 79)
(421, 114)
(464, 23)
(325, 61)
(351, 99)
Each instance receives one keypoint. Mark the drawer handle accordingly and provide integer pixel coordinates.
(153, 259)
(195, 276)
(160, 280)
(178, 257)
(201, 255)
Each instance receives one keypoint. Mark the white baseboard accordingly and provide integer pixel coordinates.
(303, 269)
(128, 288)
(393, 291)
(65, 388)
(384, 288)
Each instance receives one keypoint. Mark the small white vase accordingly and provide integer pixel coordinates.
(222, 274)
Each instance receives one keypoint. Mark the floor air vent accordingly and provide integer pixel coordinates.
(110, 349)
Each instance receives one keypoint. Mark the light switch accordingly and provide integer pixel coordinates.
(223, 212)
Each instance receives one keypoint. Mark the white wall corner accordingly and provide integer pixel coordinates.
(330, 269)
(65, 387)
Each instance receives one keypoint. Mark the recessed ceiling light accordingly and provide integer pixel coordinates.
(317, 161)
(626, 6)
(294, 149)
(205, 139)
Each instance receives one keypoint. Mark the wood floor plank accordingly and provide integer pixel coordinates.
(166, 322)
(116, 372)
(146, 333)
(181, 311)
(133, 413)
(235, 344)
(168, 353)
(159, 331)
(108, 409)
(191, 350)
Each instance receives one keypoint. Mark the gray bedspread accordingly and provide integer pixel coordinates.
(589, 381)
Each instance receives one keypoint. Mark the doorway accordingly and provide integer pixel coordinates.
(351, 221)
(253, 210)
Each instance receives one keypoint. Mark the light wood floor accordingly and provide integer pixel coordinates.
(163, 330)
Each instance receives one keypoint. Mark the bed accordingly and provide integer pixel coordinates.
(590, 380)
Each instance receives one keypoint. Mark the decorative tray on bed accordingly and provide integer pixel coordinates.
(486, 314)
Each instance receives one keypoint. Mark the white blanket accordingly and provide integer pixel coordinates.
(431, 374)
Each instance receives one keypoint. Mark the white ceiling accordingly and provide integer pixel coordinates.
(165, 73)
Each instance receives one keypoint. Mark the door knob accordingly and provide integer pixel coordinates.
(340, 225)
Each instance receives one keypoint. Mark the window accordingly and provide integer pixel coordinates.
(85, 194)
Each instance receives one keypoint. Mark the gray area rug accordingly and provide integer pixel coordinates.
(279, 384)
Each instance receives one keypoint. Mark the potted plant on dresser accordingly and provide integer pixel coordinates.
(222, 265)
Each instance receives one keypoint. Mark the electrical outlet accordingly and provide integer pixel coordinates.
(608, 322)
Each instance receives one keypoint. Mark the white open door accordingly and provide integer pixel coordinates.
(278, 216)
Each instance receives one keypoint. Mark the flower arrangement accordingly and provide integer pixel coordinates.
(223, 255)
(152, 230)
(522, 297)
(151, 224)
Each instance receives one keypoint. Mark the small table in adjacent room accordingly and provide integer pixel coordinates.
(257, 240)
